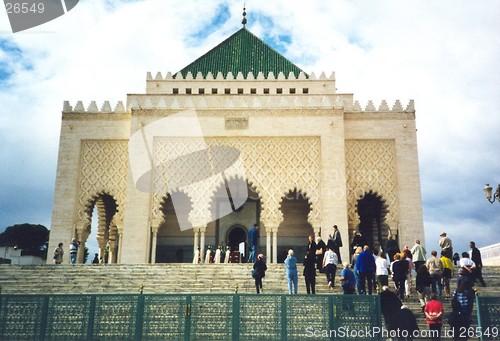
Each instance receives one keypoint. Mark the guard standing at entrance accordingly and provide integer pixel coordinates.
(253, 239)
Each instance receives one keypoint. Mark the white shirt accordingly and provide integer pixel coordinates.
(331, 258)
(382, 265)
(467, 262)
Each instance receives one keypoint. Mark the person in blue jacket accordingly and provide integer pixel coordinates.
(291, 272)
(365, 265)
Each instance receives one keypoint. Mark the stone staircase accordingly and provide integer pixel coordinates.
(180, 278)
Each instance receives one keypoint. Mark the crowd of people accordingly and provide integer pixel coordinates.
(434, 278)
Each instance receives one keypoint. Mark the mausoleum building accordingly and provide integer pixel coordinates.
(239, 136)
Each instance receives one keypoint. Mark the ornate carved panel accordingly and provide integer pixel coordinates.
(103, 169)
(371, 165)
(274, 165)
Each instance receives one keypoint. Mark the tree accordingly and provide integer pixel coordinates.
(31, 238)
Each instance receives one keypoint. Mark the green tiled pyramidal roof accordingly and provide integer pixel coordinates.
(242, 52)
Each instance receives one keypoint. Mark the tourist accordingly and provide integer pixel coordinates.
(73, 250)
(407, 324)
(468, 265)
(418, 254)
(253, 239)
(347, 280)
(337, 242)
(311, 245)
(447, 273)
(96, 259)
(462, 303)
(446, 245)
(330, 262)
(475, 256)
(434, 317)
(320, 253)
(366, 269)
(358, 250)
(399, 271)
(291, 272)
(408, 282)
(259, 272)
(423, 285)
(382, 271)
(391, 247)
(58, 254)
(310, 273)
(357, 241)
(390, 305)
(456, 258)
(435, 267)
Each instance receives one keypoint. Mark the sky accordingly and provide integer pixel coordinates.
(443, 54)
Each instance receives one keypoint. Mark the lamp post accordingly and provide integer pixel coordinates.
(490, 196)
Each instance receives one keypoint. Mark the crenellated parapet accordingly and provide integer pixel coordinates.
(383, 107)
(93, 108)
(240, 84)
(240, 76)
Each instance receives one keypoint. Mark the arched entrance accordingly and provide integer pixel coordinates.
(372, 210)
(294, 229)
(101, 211)
(174, 245)
(236, 235)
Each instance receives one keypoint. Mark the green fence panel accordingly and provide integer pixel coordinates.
(115, 317)
(356, 317)
(306, 314)
(260, 317)
(21, 317)
(68, 317)
(164, 317)
(211, 317)
(488, 318)
(188, 317)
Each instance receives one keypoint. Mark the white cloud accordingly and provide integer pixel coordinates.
(445, 55)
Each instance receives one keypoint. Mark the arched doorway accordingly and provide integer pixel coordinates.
(174, 245)
(372, 210)
(294, 229)
(102, 234)
(236, 235)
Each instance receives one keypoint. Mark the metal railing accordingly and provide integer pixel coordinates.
(189, 317)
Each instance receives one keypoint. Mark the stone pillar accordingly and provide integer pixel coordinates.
(154, 237)
(268, 244)
(81, 236)
(196, 241)
(120, 243)
(202, 242)
(275, 245)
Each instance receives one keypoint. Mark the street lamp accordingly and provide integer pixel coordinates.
(488, 190)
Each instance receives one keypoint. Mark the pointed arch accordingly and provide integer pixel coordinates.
(295, 207)
(372, 211)
(174, 244)
(107, 232)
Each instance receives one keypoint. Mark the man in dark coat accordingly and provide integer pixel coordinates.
(391, 247)
(475, 255)
(337, 242)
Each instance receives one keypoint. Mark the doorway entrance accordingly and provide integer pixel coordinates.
(236, 235)
(372, 210)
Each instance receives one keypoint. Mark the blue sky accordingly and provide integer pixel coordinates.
(445, 55)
